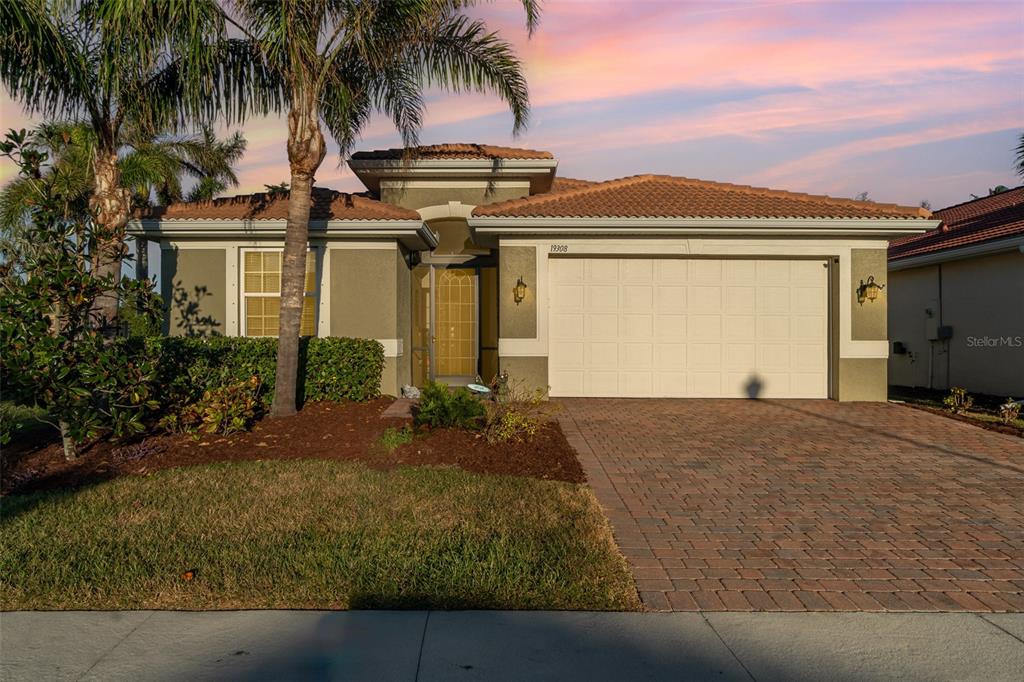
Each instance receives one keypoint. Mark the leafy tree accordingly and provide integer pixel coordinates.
(341, 60)
(128, 70)
(53, 352)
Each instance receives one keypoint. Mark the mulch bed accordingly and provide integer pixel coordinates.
(343, 431)
(1008, 429)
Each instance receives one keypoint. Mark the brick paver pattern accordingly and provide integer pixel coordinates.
(729, 505)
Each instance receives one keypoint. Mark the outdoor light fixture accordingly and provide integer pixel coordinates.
(519, 290)
(868, 291)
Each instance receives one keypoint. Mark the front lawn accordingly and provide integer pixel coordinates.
(311, 534)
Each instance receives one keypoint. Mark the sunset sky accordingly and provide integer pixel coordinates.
(908, 101)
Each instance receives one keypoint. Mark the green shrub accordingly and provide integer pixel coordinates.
(393, 438)
(1009, 411)
(516, 413)
(329, 368)
(958, 401)
(223, 410)
(441, 406)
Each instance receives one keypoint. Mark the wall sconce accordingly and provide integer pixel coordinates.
(519, 290)
(868, 291)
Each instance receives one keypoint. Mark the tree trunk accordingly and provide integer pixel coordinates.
(141, 258)
(306, 150)
(111, 207)
(70, 451)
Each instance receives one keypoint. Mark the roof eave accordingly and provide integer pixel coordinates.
(414, 234)
(873, 227)
(1014, 243)
(371, 171)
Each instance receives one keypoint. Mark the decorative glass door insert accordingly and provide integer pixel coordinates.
(456, 324)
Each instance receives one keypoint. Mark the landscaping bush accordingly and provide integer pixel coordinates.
(516, 413)
(1009, 411)
(441, 406)
(958, 401)
(223, 410)
(329, 368)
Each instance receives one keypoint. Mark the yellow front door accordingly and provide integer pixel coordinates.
(456, 324)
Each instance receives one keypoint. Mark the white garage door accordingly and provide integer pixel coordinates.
(632, 327)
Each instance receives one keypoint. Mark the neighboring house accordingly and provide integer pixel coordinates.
(956, 315)
(470, 260)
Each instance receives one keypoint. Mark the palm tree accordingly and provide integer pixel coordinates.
(340, 61)
(128, 70)
(149, 168)
(1020, 156)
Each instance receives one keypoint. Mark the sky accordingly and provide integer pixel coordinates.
(908, 101)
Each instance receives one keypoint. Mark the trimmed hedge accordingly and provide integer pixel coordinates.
(329, 368)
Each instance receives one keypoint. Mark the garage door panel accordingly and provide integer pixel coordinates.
(600, 354)
(703, 327)
(688, 328)
(638, 326)
(602, 270)
(603, 297)
(602, 383)
(566, 354)
(670, 327)
(601, 325)
(705, 299)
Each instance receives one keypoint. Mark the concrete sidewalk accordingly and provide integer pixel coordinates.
(493, 645)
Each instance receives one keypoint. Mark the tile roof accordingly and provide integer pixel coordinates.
(328, 204)
(972, 222)
(664, 196)
(452, 151)
(567, 184)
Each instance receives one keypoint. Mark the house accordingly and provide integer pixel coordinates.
(468, 260)
(956, 313)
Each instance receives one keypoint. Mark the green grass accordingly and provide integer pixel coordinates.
(393, 438)
(311, 534)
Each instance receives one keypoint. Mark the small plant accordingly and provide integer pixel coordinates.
(1009, 411)
(441, 406)
(393, 438)
(516, 414)
(223, 410)
(958, 401)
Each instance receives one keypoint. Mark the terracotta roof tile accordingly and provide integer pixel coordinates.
(973, 222)
(328, 204)
(453, 151)
(663, 196)
(567, 184)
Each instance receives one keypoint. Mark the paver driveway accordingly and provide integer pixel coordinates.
(806, 505)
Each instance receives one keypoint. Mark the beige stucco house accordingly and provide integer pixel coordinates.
(470, 260)
(956, 311)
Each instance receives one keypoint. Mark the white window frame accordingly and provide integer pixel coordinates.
(316, 252)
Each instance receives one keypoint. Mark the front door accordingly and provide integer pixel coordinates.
(456, 325)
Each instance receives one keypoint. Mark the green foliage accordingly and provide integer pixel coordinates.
(53, 354)
(441, 406)
(958, 401)
(516, 414)
(17, 419)
(222, 410)
(1009, 411)
(330, 368)
(394, 438)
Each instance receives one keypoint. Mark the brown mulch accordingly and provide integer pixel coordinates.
(342, 431)
(1008, 429)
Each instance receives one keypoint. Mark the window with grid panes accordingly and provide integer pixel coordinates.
(261, 291)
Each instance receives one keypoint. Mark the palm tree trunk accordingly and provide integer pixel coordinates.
(306, 150)
(111, 208)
